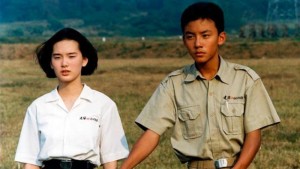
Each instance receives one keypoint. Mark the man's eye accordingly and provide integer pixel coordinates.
(189, 36)
(205, 36)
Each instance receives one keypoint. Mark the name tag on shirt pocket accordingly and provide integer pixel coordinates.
(191, 122)
(232, 116)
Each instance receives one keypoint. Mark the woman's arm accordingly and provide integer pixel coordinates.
(31, 166)
(250, 148)
(110, 165)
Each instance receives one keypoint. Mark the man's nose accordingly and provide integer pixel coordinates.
(198, 42)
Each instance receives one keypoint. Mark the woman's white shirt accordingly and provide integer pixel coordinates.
(91, 130)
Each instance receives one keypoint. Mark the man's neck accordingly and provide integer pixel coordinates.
(209, 69)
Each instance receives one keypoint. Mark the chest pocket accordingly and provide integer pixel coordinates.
(233, 116)
(191, 122)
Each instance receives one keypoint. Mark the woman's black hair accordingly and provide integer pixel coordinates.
(44, 51)
(203, 10)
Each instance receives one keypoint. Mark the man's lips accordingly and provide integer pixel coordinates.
(199, 53)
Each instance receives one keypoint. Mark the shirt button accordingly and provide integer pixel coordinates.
(211, 93)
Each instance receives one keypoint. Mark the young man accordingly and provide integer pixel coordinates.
(217, 109)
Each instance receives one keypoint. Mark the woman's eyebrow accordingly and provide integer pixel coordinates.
(72, 53)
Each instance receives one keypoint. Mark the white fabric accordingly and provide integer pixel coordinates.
(91, 130)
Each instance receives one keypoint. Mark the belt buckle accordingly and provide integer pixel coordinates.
(65, 164)
(220, 163)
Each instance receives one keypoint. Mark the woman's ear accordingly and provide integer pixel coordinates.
(85, 61)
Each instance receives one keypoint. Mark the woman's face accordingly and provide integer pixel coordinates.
(67, 61)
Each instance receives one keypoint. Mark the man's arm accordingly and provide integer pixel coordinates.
(141, 149)
(250, 148)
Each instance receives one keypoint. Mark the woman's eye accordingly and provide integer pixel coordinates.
(55, 57)
(72, 56)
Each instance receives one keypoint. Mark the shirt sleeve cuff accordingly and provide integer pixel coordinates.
(114, 157)
(27, 160)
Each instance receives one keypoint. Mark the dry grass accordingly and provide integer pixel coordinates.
(130, 82)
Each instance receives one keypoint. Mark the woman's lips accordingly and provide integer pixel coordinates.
(65, 72)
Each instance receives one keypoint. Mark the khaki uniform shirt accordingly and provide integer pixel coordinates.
(209, 118)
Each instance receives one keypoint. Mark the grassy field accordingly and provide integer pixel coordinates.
(130, 82)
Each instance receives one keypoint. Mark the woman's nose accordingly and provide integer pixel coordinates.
(64, 63)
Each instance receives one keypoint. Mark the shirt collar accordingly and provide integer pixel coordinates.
(191, 73)
(86, 94)
(224, 71)
(222, 74)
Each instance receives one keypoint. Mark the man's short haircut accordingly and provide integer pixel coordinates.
(203, 10)
(44, 51)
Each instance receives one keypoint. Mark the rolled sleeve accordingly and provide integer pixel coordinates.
(28, 146)
(113, 144)
(260, 111)
(159, 112)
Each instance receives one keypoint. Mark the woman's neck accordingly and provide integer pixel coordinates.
(69, 93)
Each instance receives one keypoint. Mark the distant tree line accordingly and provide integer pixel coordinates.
(271, 30)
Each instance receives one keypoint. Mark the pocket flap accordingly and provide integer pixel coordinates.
(189, 113)
(232, 109)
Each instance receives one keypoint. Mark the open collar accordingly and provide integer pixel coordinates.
(86, 94)
(223, 73)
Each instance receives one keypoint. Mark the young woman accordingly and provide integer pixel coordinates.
(73, 126)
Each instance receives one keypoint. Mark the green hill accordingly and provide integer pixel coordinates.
(19, 18)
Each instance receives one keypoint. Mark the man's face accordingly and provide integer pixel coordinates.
(202, 40)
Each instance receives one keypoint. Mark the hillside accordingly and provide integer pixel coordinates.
(19, 18)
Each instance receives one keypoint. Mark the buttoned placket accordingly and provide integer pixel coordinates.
(66, 126)
(212, 118)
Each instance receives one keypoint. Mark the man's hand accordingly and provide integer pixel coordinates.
(141, 149)
(250, 148)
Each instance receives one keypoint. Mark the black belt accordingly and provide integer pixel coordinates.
(67, 164)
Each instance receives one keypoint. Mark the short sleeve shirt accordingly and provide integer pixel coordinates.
(209, 119)
(91, 130)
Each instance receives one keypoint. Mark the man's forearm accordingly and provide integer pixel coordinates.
(141, 149)
(251, 146)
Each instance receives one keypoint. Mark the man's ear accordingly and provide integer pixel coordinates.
(222, 38)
